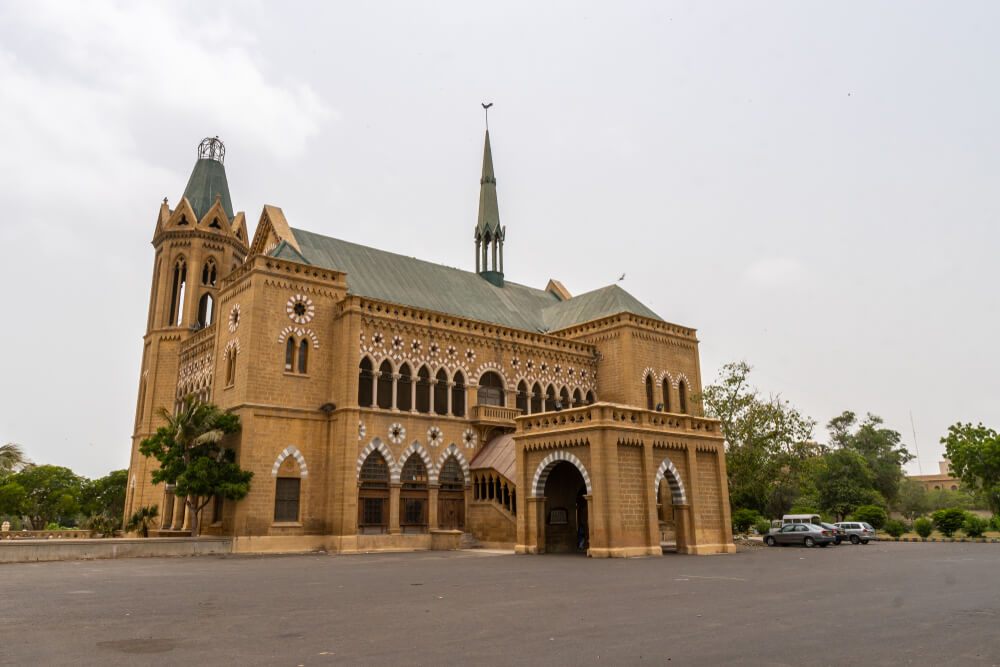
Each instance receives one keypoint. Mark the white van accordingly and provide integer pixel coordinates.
(796, 518)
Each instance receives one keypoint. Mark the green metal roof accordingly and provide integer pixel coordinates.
(386, 276)
(208, 179)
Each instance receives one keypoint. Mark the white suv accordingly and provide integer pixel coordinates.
(857, 531)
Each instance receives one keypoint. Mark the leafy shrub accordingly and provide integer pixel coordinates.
(995, 522)
(743, 519)
(923, 526)
(975, 526)
(102, 524)
(763, 526)
(895, 528)
(142, 520)
(872, 514)
(949, 520)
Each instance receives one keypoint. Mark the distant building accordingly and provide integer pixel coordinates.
(392, 403)
(943, 480)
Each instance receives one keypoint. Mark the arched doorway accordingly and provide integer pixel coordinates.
(451, 495)
(671, 507)
(565, 517)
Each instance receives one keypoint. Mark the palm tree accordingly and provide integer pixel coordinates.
(142, 519)
(12, 458)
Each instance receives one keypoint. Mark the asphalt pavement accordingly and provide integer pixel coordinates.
(884, 603)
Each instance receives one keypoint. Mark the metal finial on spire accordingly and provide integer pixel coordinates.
(486, 107)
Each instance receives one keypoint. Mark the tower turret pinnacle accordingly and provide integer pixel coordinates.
(208, 179)
(489, 232)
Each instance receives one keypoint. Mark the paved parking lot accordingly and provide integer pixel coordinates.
(886, 603)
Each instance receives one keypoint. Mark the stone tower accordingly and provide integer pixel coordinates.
(196, 244)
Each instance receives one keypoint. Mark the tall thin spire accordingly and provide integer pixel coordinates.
(489, 233)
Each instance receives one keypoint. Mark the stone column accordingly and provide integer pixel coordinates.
(450, 387)
(394, 508)
(682, 528)
(431, 383)
(375, 377)
(395, 386)
(178, 521)
(432, 506)
(413, 392)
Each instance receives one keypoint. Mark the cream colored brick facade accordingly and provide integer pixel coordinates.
(630, 473)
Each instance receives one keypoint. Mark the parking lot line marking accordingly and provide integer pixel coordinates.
(695, 576)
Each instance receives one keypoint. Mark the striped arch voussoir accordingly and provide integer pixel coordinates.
(677, 494)
(292, 451)
(415, 448)
(453, 450)
(376, 445)
(546, 466)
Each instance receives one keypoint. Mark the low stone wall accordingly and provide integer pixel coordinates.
(32, 551)
(46, 534)
(984, 540)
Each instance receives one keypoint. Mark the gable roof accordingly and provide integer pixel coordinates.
(387, 276)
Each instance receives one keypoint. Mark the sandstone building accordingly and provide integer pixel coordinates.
(391, 403)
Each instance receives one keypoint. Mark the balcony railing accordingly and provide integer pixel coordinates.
(616, 415)
(494, 415)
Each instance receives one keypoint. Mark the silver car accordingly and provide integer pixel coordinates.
(806, 534)
(857, 531)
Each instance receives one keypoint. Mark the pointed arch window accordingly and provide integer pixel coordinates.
(536, 398)
(413, 495)
(404, 388)
(209, 273)
(231, 368)
(522, 400)
(577, 398)
(289, 354)
(649, 392)
(366, 377)
(178, 287)
(303, 356)
(451, 477)
(441, 393)
(564, 398)
(682, 397)
(384, 398)
(458, 395)
(590, 397)
(550, 399)
(286, 499)
(206, 310)
(491, 390)
(666, 395)
(423, 390)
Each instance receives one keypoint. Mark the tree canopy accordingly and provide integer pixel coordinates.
(974, 452)
(879, 446)
(45, 494)
(844, 482)
(768, 448)
(191, 456)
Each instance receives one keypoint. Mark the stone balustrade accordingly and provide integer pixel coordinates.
(616, 415)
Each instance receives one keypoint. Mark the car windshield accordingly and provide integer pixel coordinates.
(868, 526)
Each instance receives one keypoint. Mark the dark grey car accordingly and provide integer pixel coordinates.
(806, 534)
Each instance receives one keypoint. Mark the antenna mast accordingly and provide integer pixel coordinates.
(915, 448)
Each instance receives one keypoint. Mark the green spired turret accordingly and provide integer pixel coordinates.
(489, 233)
(208, 179)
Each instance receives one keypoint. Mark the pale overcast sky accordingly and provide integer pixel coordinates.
(810, 185)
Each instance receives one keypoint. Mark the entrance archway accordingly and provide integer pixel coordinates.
(567, 527)
(671, 504)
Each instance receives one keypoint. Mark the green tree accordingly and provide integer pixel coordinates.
(844, 482)
(142, 520)
(912, 500)
(769, 453)
(923, 527)
(974, 452)
(872, 514)
(45, 494)
(949, 520)
(743, 519)
(879, 446)
(189, 449)
(940, 499)
(975, 526)
(105, 495)
(895, 528)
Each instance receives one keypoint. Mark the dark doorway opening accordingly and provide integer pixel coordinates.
(564, 520)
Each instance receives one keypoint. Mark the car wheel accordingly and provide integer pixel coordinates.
(808, 542)
(824, 545)
(864, 541)
(838, 541)
(769, 541)
(855, 539)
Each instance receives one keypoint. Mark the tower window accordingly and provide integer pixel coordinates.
(303, 355)
(666, 395)
(178, 287)
(208, 273)
(365, 378)
(682, 396)
(206, 310)
(286, 498)
(458, 395)
(289, 354)
(441, 393)
(649, 392)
